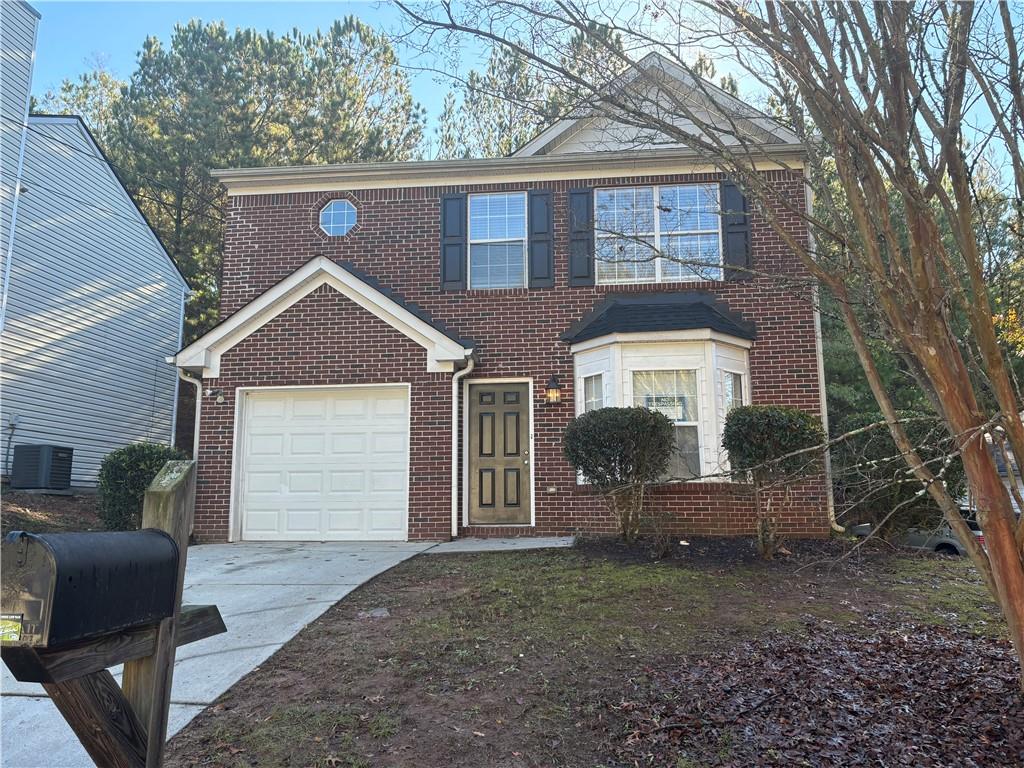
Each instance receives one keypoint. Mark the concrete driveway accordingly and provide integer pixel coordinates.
(266, 593)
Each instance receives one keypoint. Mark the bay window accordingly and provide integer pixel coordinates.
(694, 380)
(658, 234)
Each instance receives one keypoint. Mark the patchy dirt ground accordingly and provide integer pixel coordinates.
(48, 513)
(883, 695)
(577, 657)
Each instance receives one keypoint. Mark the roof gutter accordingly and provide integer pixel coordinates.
(446, 172)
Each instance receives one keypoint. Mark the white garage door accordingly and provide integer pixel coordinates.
(330, 464)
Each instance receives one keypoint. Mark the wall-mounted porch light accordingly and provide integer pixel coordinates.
(216, 394)
(553, 391)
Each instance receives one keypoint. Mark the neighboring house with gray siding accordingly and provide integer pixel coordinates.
(18, 23)
(93, 306)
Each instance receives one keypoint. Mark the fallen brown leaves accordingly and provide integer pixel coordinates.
(893, 695)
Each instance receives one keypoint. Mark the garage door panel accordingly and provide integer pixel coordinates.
(306, 444)
(348, 482)
(348, 444)
(345, 520)
(350, 407)
(303, 521)
(263, 482)
(388, 442)
(262, 520)
(330, 464)
(305, 482)
(265, 408)
(266, 445)
(308, 408)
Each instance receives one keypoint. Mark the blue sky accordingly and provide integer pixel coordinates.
(73, 34)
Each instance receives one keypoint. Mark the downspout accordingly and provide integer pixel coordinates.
(822, 394)
(456, 379)
(198, 384)
(181, 334)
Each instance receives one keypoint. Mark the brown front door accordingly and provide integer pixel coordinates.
(499, 454)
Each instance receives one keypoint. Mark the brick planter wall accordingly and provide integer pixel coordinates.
(324, 339)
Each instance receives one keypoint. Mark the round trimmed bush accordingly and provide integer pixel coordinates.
(613, 447)
(621, 451)
(758, 436)
(125, 474)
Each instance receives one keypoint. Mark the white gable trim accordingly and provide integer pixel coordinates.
(204, 354)
(655, 65)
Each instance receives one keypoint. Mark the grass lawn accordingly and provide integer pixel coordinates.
(556, 657)
(48, 513)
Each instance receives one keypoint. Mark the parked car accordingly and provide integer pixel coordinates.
(938, 538)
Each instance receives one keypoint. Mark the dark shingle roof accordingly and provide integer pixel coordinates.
(633, 313)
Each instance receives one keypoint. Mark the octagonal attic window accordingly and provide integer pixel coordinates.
(337, 218)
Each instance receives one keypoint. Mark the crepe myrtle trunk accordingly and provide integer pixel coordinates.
(995, 510)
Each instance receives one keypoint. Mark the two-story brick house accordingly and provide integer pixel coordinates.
(403, 344)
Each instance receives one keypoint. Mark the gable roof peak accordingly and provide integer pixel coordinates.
(668, 81)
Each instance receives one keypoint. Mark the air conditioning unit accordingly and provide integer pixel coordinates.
(42, 466)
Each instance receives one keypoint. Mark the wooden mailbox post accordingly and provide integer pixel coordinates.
(120, 726)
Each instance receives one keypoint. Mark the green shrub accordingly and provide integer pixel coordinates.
(124, 476)
(621, 451)
(758, 436)
(872, 482)
(759, 440)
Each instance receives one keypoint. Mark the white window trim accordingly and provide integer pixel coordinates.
(583, 389)
(700, 372)
(337, 201)
(744, 385)
(658, 280)
(470, 242)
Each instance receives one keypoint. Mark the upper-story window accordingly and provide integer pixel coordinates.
(497, 240)
(658, 234)
(337, 218)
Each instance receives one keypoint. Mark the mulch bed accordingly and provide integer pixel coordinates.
(48, 513)
(888, 695)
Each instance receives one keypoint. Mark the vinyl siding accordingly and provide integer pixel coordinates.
(94, 308)
(17, 42)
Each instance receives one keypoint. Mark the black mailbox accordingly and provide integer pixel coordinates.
(62, 587)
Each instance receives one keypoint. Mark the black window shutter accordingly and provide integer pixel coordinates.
(581, 237)
(541, 240)
(735, 232)
(453, 242)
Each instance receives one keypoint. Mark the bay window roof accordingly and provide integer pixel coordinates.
(677, 311)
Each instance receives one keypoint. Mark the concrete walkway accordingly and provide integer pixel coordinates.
(266, 592)
(500, 545)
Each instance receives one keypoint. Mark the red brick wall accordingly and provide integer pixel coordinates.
(327, 339)
(515, 333)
